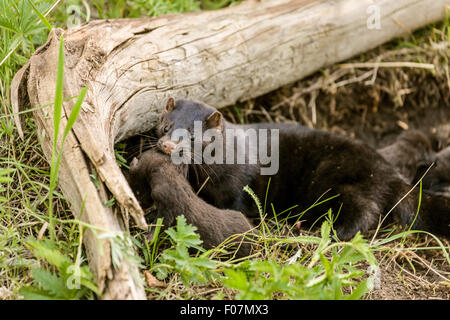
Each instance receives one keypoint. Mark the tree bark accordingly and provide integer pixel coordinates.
(132, 66)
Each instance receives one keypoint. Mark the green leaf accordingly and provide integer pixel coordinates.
(158, 226)
(4, 175)
(5, 179)
(94, 179)
(359, 291)
(4, 172)
(32, 293)
(325, 230)
(185, 235)
(235, 279)
(91, 285)
(109, 203)
(74, 113)
(44, 249)
(199, 269)
(41, 16)
(349, 255)
(58, 92)
(162, 272)
(326, 264)
(51, 283)
(317, 280)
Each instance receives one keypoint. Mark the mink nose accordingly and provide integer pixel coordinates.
(168, 146)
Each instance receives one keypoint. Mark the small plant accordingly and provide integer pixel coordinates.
(198, 269)
(256, 279)
(71, 281)
(23, 25)
(122, 250)
(119, 152)
(330, 273)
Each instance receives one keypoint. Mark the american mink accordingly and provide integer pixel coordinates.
(154, 174)
(410, 151)
(312, 164)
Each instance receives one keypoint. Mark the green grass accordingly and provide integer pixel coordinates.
(321, 275)
(74, 281)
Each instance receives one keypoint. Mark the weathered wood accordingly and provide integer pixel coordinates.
(74, 180)
(131, 66)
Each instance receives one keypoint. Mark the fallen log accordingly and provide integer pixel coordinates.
(131, 67)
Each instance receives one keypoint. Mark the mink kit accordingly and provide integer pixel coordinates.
(153, 175)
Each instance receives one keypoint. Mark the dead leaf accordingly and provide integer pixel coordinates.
(152, 281)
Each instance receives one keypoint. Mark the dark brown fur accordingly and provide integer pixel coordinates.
(410, 151)
(438, 178)
(312, 163)
(154, 176)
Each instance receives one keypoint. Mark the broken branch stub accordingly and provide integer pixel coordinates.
(132, 66)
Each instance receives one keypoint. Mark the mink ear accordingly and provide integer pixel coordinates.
(134, 163)
(214, 120)
(170, 105)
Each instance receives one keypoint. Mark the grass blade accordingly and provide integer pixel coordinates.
(57, 111)
(40, 15)
(58, 93)
(74, 113)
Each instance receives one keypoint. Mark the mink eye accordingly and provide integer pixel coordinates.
(166, 129)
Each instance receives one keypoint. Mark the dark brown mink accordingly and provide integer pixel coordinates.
(313, 164)
(412, 149)
(154, 176)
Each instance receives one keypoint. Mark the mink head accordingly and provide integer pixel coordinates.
(152, 168)
(186, 121)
